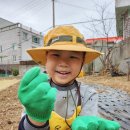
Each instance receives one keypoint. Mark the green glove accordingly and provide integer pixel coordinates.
(36, 94)
(94, 123)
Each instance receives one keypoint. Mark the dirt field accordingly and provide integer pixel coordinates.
(4, 84)
(10, 108)
(120, 82)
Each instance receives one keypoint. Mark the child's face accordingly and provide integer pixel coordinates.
(63, 66)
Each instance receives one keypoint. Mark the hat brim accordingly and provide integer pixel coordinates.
(39, 54)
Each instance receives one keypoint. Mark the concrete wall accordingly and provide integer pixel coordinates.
(121, 54)
(13, 46)
(121, 3)
(28, 43)
(9, 37)
(24, 68)
(126, 24)
(100, 46)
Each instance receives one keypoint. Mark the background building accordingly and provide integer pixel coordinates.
(120, 45)
(122, 52)
(122, 9)
(103, 45)
(15, 39)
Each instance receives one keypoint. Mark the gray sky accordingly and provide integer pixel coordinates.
(37, 14)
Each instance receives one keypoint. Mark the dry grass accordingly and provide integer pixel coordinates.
(120, 82)
(6, 82)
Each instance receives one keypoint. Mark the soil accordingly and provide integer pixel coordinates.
(119, 82)
(10, 108)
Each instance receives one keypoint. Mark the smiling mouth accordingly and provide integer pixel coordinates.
(62, 72)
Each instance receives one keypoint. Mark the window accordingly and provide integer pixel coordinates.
(25, 36)
(14, 57)
(35, 39)
(14, 46)
(1, 58)
(0, 48)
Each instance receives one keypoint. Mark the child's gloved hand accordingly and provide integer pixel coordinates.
(94, 123)
(36, 94)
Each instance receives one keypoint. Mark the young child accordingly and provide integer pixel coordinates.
(60, 102)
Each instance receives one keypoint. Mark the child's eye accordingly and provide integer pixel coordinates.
(73, 57)
(56, 55)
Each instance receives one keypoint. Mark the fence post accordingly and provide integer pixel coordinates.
(128, 74)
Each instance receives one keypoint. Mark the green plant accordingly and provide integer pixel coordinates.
(15, 72)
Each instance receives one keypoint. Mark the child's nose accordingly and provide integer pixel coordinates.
(63, 62)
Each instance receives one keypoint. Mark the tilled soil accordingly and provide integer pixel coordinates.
(10, 109)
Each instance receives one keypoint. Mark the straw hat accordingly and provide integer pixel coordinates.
(65, 38)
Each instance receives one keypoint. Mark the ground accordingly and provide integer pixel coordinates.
(10, 108)
(120, 82)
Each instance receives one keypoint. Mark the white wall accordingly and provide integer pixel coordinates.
(7, 38)
(121, 3)
(121, 55)
(28, 44)
(14, 34)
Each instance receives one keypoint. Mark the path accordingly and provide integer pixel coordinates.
(5, 83)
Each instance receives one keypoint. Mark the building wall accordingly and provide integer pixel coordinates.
(13, 43)
(121, 3)
(126, 27)
(24, 68)
(100, 46)
(27, 43)
(8, 38)
(122, 9)
(121, 54)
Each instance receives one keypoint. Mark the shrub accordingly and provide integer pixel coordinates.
(15, 72)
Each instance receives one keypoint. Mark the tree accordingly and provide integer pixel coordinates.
(103, 27)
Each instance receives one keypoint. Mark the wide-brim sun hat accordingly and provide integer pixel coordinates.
(64, 38)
